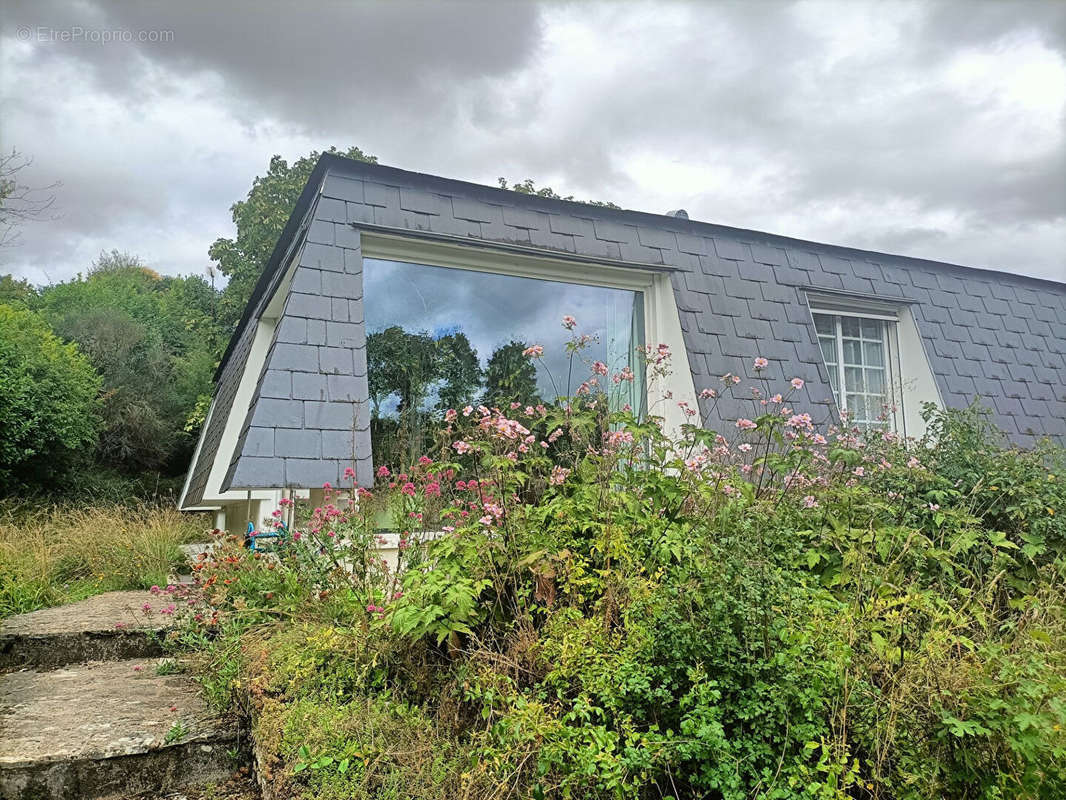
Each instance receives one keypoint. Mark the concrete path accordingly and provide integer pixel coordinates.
(102, 628)
(112, 727)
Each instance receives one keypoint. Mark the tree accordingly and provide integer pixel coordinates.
(404, 365)
(510, 377)
(260, 218)
(458, 369)
(18, 202)
(141, 415)
(155, 341)
(49, 400)
(16, 292)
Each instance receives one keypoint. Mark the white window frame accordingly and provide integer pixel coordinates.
(662, 321)
(909, 378)
(890, 365)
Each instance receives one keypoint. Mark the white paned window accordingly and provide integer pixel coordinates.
(858, 354)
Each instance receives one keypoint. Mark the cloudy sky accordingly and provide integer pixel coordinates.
(932, 129)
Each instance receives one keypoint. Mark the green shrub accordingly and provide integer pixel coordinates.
(48, 400)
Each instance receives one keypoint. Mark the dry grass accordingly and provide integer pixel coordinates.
(57, 555)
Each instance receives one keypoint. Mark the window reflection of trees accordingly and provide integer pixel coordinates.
(417, 369)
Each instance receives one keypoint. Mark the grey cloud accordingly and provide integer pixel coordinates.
(747, 92)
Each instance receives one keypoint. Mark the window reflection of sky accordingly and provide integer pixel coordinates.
(493, 310)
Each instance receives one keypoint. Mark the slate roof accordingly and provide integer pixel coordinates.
(740, 293)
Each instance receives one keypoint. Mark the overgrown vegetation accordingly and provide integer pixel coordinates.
(773, 611)
(50, 556)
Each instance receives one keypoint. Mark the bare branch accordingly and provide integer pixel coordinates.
(20, 203)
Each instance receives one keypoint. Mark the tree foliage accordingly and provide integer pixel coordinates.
(529, 187)
(510, 377)
(155, 342)
(48, 399)
(260, 218)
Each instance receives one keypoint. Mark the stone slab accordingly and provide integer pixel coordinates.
(105, 627)
(98, 730)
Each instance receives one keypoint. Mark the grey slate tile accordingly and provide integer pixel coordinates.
(335, 360)
(731, 250)
(329, 415)
(323, 257)
(294, 357)
(259, 442)
(276, 383)
(297, 443)
(343, 188)
(309, 386)
(613, 231)
(422, 202)
(311, 473)
(331, 210)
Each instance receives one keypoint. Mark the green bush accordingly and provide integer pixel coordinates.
(770, 611)
(49, 402)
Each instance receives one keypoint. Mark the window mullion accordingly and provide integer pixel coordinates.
(843, 390)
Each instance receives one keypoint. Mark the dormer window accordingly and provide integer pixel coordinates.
(857, 354)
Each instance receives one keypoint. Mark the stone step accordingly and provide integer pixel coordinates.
(105, 729)
(102, 628)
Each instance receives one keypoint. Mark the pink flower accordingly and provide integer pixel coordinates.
(432, 489)
(599, 367)
(461, 447)
(744, 448)
(810, 502)
(859, 472)
(383, 472)
(569, 322)
(708, 393)
(558, 475)
(797, 383)
(425, 461)
(625, 375)
(349, 473)
(913, 463)
(451, 414)
(468, 410)
(761, 364)
(934, 507)
(616, 438)
(536, 351)
(746, 424)
(408, 489)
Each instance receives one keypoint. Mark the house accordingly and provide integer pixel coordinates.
(390, 293)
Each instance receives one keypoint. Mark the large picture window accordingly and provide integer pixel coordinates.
(856, 353)
(443, 337)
